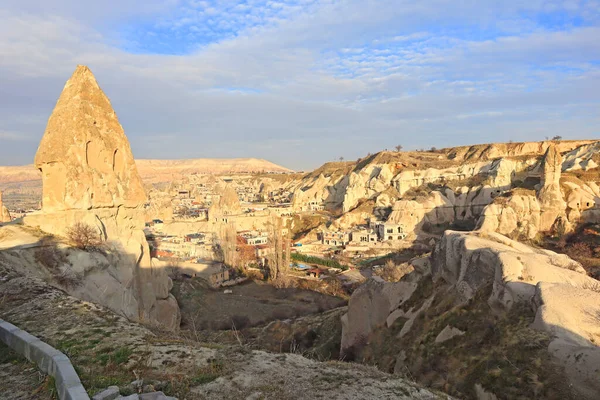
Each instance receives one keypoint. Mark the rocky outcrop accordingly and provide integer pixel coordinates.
(550, 197)
(89, 177)
(471, 260)
(227, 203)
(582, 158)
(571, 316)
(366, 183)
(561, 202)
(482, 281)
(4, 214)
(519, 213)
(84, 155)
(497, 150)
(369, 308)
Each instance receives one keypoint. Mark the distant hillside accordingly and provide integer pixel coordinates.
(153, 171)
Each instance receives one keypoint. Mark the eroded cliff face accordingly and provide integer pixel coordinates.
(89, 176)
(561, 202)
(424, 188)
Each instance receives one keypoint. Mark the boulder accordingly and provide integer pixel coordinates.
(448, 333)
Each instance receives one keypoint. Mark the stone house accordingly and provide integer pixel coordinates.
(216, 279)
(363, 236)
(387, 231)
(335, 238)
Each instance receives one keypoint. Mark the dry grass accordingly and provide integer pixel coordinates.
(500, 352)
(593, 286)
(393, 273)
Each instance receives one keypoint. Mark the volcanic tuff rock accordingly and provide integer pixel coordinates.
(470, 260)
(471, 267)
(228, 202)
(550, 196)
(84, 155)
(370, 306)
(4, 214)
(91, 332)
(89, 176)
(562, 201)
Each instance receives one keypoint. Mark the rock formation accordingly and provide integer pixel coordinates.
(228, 203)
(89, 176)
(549, 195)
(84, 155)
(473, 275)
(562, 201)
(4, 214)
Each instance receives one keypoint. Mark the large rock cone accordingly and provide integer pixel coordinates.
(84, 155)
(89, 176)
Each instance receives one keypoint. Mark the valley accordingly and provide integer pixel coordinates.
(466, 272)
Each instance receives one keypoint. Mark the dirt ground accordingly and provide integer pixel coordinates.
(21, 380)
(250, 304)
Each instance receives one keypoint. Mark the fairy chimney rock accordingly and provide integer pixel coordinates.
(4, 214)
(550, 196)
(228, 202)
(84, 156)
(552, 167)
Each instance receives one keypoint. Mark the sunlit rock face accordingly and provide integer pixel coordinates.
(550, 197)
(89, 176)
(84, 155)
(4, 214)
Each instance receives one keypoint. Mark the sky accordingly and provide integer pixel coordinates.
(303, 82)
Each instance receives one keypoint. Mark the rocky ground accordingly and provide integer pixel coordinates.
(106, 349)
(249, 304)
(485, 313)
(21, 380)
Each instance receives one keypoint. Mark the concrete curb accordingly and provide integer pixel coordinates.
(47, 358)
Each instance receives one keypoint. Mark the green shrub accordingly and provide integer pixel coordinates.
(318, 261)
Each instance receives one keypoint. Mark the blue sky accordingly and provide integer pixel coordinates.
(305, 81)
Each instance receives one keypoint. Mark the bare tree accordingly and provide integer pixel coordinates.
(398, 148)
(279, 258)
(227, 240)
(84, 236)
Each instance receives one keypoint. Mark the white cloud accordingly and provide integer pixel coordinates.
(296, 82)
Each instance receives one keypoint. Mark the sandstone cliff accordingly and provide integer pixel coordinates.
(442, 186)
(568, 194)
